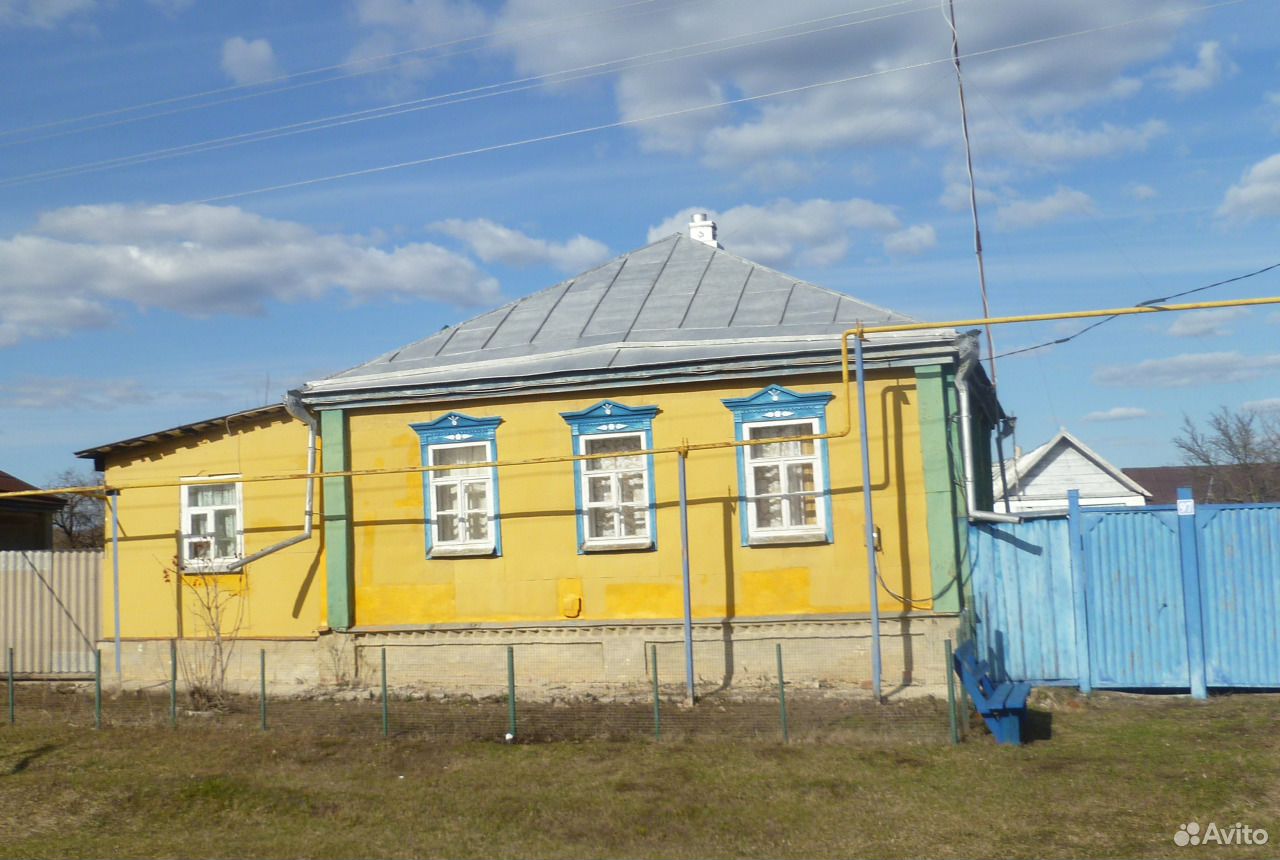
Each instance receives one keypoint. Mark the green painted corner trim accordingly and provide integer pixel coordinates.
(935, 393)
(337, 519)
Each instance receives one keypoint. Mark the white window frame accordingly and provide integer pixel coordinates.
(604, 544)
(757, 534)
(463, 546)
(187, 563)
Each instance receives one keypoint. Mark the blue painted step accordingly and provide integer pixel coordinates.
(1002, 705)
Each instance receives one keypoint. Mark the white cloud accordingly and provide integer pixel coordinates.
(915, 107)
(1063, 203)
(248, 62)
(493, 242)
(80, 266)
(1068, 143)
(1212, 65)
(1206, 323)
(1118, 413)
(1271, 404)
(405, 28)
(41, 14)
(72, 392)
(1256, 195)
(913, 240)
(813, 232)
(1188, 370)
(1139, 191)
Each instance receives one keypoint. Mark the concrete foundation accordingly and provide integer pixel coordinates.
(566, 659)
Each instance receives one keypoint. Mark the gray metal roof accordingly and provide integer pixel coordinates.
(676, 302)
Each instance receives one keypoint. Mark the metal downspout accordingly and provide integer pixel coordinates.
(684, 563)
(293, 405)
(872, 570)
(968, 358)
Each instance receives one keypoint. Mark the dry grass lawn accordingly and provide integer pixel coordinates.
(1116, 777)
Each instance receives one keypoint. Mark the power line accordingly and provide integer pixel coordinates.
(699, 108)
(280, 78)
(1147, 303)
(474, 93)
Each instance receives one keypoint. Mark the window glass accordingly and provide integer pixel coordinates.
(211, 530)
(616, 492)
(462, 496)
(783, 477)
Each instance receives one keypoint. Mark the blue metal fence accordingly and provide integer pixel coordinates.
(1160, 597)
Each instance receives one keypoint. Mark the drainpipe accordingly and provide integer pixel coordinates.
(968, 344)
(293, 405)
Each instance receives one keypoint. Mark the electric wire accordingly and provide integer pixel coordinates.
(623, 123)
(467, 95)
(1148, 303)
(304, 73)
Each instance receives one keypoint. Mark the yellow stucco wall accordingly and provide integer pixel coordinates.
(280, 595)
(395, 584)
(540, 572)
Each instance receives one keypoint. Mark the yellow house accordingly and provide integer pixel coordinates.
(492, 485)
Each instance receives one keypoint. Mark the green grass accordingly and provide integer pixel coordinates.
(1115, 778)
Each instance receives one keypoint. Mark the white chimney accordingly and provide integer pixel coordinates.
(703, 229)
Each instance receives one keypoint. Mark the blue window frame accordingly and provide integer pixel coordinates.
(614, 495)
(784, 487)
(460, 504)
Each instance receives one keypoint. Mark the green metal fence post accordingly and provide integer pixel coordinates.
(511, 695)
(12, 715)
(97, 688)
(657, 701)
(173, 683)
(386, 715)
(951, 693)
(262, 686)
(782, 697)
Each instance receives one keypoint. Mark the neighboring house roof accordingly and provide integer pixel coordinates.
(11, 484)
(194, 428)
(1022, 471)
(1209, 484)
(677, 307)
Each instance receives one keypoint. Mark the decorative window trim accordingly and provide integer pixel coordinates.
(606, 419)
(451, 430)
(197, 567)
(775, 405)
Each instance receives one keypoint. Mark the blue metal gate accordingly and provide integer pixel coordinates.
(1163, 597)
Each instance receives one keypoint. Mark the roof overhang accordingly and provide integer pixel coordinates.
(622, 365)
(99, 453)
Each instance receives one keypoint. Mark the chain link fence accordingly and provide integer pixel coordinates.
(502, 701)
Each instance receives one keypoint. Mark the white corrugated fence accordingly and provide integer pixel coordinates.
(49, 610)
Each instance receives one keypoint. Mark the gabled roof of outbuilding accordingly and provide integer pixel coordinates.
(676, 303)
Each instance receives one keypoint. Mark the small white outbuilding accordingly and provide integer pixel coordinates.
(1038, 481)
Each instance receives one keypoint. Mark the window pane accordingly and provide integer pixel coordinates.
(631, 487)
(800, 477)
(459, 456)
(477, 496)
(477, 527)
(602, 523)
(447, 528)
(803, 510)
(198, 549)
(780, 449)
(600, 489)
(613, 444)
(769, 513)
(447, 498)
(199, 524)
(768, 479)
(210, 495)
(635, 522)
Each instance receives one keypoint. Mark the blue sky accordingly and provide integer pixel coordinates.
(153, 271)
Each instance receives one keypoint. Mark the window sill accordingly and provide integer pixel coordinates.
(774, 539)
(461, 551)
(200, 568)
(617, 545)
